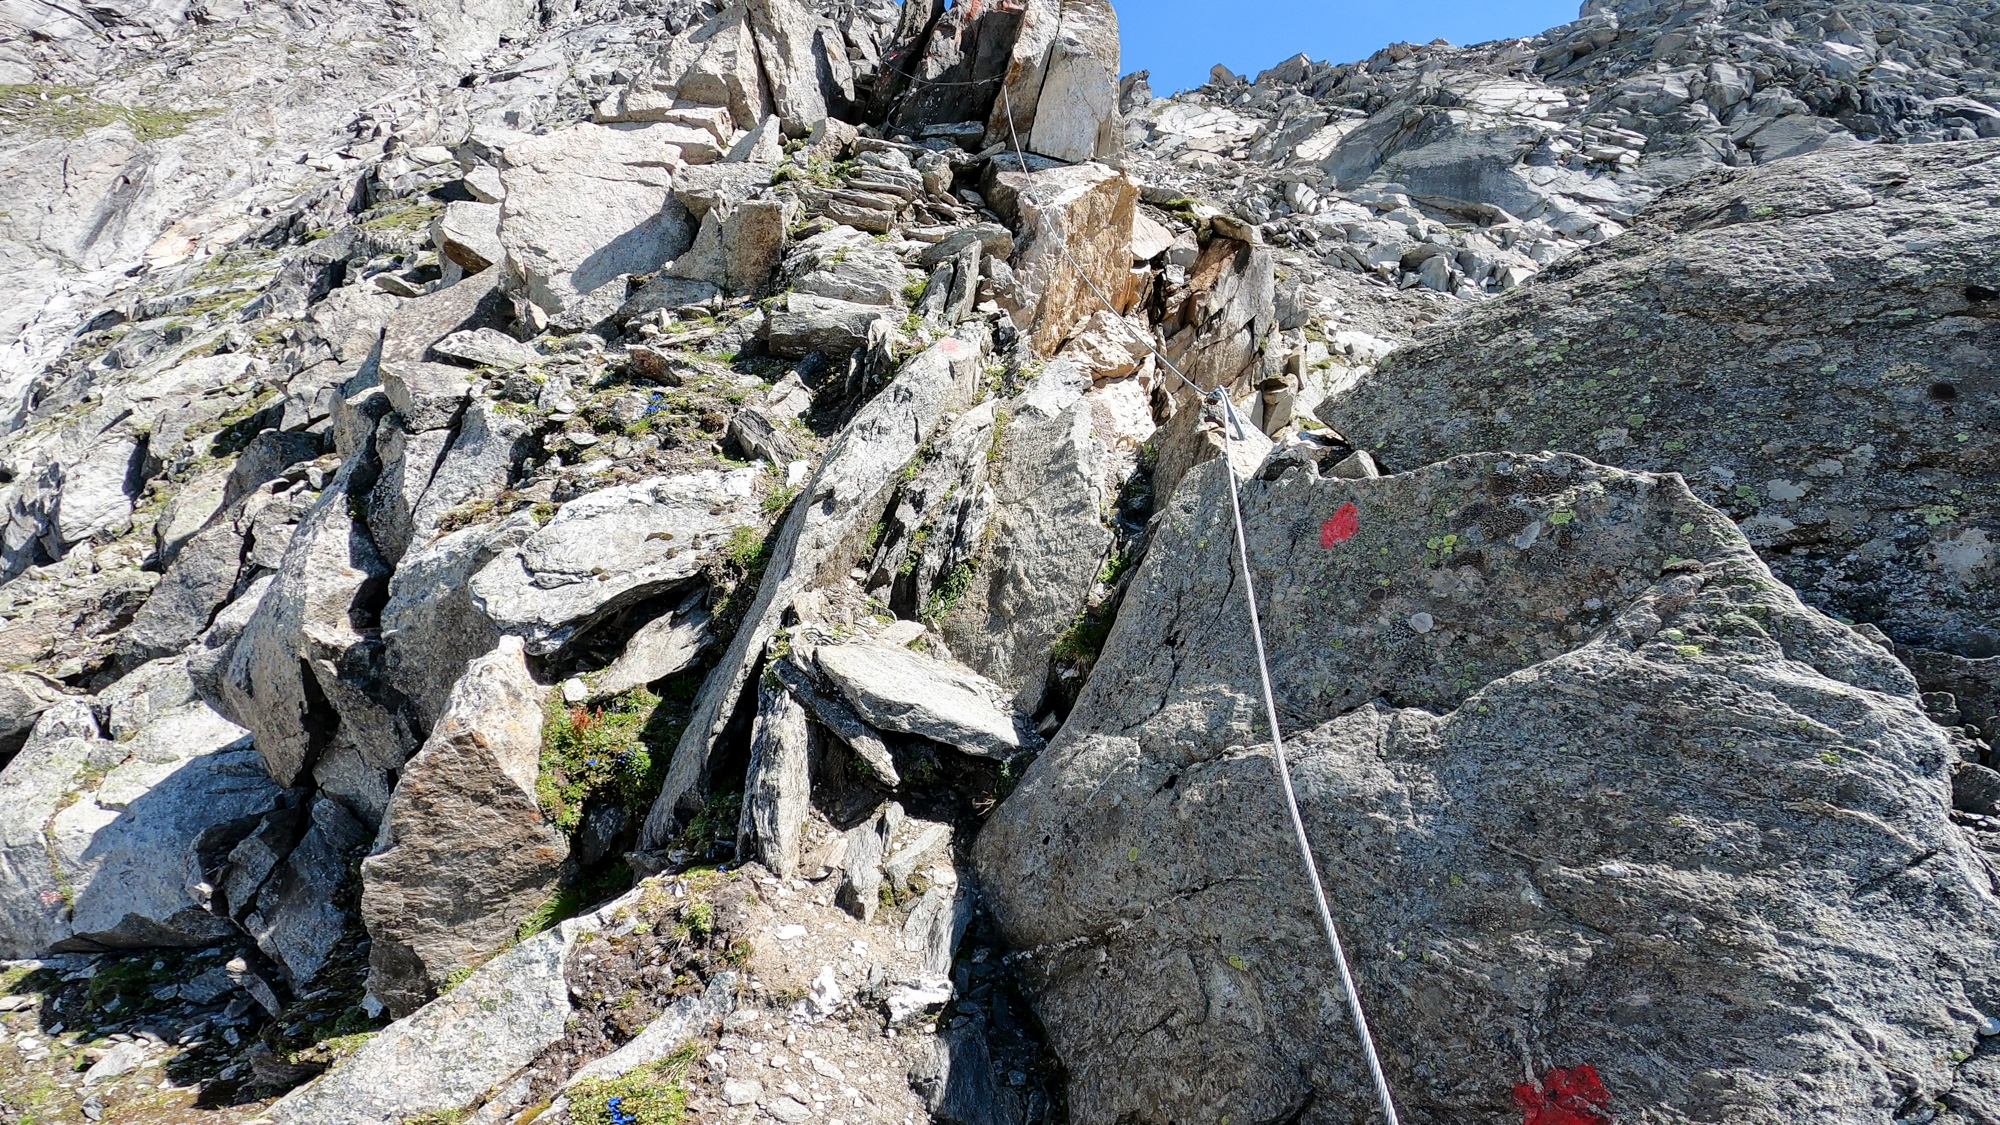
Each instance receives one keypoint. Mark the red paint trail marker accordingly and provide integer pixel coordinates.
(1341, 527)
(1566, 1097)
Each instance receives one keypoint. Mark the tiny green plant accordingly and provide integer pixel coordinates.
(596, 753)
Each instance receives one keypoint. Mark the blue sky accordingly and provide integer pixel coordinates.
(1179, 40)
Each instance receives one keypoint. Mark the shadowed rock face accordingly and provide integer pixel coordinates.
(1810, 344)
(1571, 760)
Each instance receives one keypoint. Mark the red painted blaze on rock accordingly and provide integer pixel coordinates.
(1575, 1096)
(1341, 527)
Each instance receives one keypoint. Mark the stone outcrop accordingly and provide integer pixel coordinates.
(535, 416)
(823, 532)
(1778, 338)
(1529, 701)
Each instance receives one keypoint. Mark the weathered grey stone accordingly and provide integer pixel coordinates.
(415, 325)
(840, 719)
(307, 624)
(785, 35)
(431, 625)
(738, 248)
(468, 235)
(865, 844)
(297, 920)
(612, 548)
(1529, 701)
(1041, 549)
(350, 320)
(486, 347)
(805, 324)
(1076, 114)
(123, 849)
(825, 530)
(33, 901)
(587, 206)
(777, 791)
(208, 657)
(1025, 70)
(1195, 435)
(196, 584)
(727, 72)
(144, 694)
(873, 275)
(1071, 219)
(456, 1048)
(763, 144)
(665, 646)
(97, 489)
(23, 698)
(669, 293)
(994, 240)
(465, 852)
(484, 457)
(427, 396)
(757, 437)
(189, 511)
(701, 189)
(897, 689)
(1697, 343)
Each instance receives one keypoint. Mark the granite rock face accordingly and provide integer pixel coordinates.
(1782, 339)
(1530, 702)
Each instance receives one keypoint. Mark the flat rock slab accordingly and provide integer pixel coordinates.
(899, 690)
(455, 1048)
(1563, 747)
(611, 548)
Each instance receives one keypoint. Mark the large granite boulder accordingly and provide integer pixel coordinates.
(1044, 544)
(1587, 787)
(34, 906)
(100, 836)
(1076, 225)
(1809, 343)
(586, 207)
(612, 548)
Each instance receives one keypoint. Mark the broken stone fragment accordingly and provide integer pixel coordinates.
(897, 689)
(465, 852)
(611, 549)
(777, 791)
(468, 234)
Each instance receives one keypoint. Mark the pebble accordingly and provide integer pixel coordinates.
(1422, 622)
(1989, 1027)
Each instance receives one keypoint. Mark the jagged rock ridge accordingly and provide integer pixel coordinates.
(690, 434)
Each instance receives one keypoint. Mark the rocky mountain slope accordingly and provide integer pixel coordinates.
(655, 562)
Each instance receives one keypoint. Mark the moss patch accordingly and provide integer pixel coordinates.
(651, 1095)
(597, 753)
(67, 111)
